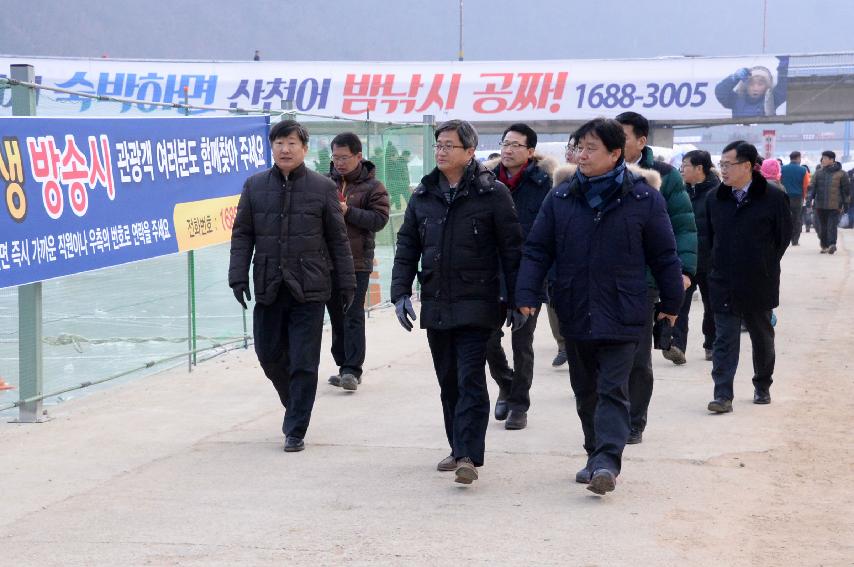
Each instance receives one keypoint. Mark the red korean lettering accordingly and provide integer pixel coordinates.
(496, 94)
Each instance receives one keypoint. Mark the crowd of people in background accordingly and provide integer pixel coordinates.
(613, 244)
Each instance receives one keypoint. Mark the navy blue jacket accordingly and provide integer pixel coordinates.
(601, 258)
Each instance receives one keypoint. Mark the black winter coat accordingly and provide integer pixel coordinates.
(600, 289)
(747, 241)
(699, 193)
(297, 231)
(461, 248)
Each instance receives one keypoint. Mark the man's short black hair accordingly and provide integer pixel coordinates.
(639, 124)
(525, 130)
(794, 155)
(830, 154)
(743, 151)
(609, 131)
(349, 140)
(285, 128)
(699, 157)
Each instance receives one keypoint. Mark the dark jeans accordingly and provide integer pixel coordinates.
(348, 329)
(459, 357)
(828, 221)
(640, 378)
(514, 383)
(727, 346)
(796, 207)
(680, 332)
(287, 341)
(599, 374)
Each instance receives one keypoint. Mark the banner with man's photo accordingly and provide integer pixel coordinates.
(681, 88)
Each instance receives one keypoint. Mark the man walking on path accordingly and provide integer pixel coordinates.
(364, 202)
(750, 227)
(700, 181)
(529, 178)
(601, 228)
(829, 193)
(795, 180)
(290, 227)
(681, 216)
(461, 225)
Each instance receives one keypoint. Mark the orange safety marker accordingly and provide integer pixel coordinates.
(5, 385)
(374, 290)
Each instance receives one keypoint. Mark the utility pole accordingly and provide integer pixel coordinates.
(764, 24)
(461, 31)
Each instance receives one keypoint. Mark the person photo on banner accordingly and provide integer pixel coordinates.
(754, 91)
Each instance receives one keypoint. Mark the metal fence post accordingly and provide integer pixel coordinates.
(428, 158)
(30, 362)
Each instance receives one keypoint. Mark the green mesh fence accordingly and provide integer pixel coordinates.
(139, 318)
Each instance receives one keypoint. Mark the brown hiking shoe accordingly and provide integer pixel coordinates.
(466, 473)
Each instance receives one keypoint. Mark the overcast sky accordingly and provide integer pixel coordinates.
(421, 30)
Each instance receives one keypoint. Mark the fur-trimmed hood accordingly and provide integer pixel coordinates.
(652, 177)
(547, 164)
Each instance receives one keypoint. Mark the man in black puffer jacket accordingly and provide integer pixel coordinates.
(529, 178)
(291, 217)
(461, 225)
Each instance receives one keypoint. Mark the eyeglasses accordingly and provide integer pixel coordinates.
(340, 159)
(445, 148)
(512, 145)
(726, 164)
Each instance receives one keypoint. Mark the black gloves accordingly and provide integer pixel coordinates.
(347, 299)
(403, 308)
(515, 320)
(239, 291)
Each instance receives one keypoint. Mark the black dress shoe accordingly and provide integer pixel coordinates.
(501, 408)
(517, 419)
(602, 481)
(635, 436)
(583, 476)
(293, 444)
(761, 397)
(559, 359)
(719, 405)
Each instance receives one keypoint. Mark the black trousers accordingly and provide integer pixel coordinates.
(640, 378)
(348, 329)
(680, 332)
(599, 374)
(287, 341)
(827, 223)
(459, 356)
(796, 207)
(728, 345)
(514, 383)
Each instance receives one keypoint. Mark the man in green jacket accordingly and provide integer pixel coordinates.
(685, 229)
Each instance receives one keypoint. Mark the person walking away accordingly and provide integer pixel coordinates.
(290, 227)
(795, 180)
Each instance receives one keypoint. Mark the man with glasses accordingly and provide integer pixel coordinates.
(365, 204)
(461, 225)
(601, 228)
(290, 229)
(681, 216)
(528, 175)
(749, 229)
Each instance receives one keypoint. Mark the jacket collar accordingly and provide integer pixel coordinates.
(294, 175)
(758, 188)
(539, 170)
(476, 177)
(365, 170)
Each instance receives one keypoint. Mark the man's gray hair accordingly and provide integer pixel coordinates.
(466, 132)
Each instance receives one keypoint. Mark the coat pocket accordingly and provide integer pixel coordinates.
(633, 301)
(315, 274)
(259, 276)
